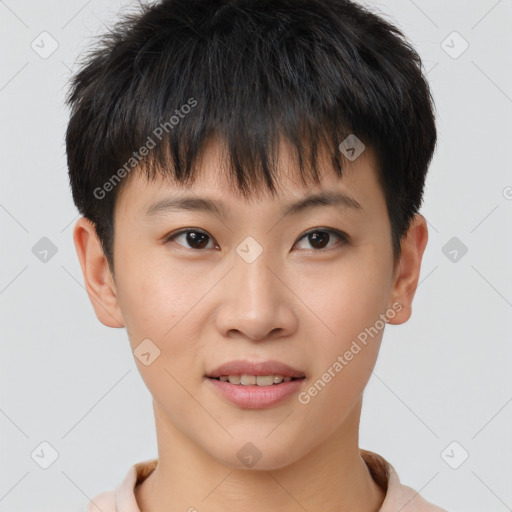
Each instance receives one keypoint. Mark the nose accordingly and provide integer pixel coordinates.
(256, 303)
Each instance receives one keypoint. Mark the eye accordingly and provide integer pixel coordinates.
(196, 238)
(319, 238)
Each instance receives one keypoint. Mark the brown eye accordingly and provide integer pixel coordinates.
(194, 238)
(320, 238)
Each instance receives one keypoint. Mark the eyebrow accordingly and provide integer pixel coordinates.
(212, 206)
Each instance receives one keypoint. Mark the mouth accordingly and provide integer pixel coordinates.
(256, 380)
(255, 373)
(255, 385)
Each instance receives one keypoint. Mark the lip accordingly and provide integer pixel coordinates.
(254, 396)
(244, 367)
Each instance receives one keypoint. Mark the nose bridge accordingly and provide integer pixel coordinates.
(255, 283)
(257, 304)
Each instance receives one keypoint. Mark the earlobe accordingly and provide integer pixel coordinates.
(97, 276)
(406, 280)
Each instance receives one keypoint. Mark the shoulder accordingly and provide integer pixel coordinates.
(103, 502)
(122, 498)
(398, 496)
(410, 500)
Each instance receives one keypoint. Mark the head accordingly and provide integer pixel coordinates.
(250, 104)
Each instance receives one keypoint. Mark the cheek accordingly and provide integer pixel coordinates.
(345, 297)
(161, 304)
(158, 313)
(347, 302)
(343, 360)
(153, 298)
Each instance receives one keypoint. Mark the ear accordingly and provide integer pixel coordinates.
(98, 279)
(407, 274)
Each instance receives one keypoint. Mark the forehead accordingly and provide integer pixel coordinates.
(213, 180)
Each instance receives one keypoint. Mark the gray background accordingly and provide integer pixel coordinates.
(441, 378)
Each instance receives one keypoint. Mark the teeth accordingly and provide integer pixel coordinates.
(251, 380)
(247, 380)
(265, 380)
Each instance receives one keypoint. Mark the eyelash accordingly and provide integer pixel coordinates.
(344, 238)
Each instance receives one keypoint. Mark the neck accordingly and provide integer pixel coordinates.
(332, 477)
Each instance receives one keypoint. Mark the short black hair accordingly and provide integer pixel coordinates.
(175, 73)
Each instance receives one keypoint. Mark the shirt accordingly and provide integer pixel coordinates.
(398, 496)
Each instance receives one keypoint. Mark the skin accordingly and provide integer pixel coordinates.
(296, 303)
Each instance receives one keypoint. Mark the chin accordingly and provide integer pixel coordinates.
(259, 455)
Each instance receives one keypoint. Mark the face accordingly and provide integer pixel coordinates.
(310, 288)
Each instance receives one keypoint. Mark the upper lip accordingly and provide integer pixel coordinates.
(244, 367)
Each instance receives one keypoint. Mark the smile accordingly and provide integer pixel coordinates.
(258, 380)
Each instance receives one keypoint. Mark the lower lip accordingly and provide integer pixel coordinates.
(254, 396)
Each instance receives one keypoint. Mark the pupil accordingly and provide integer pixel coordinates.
(192, 239)
(319, 235)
